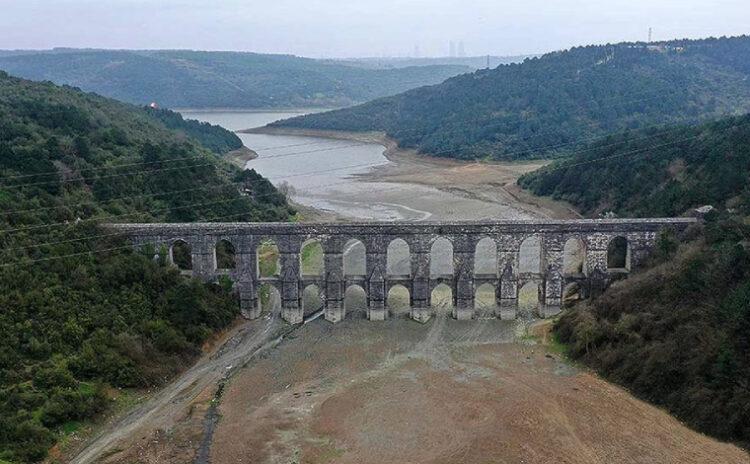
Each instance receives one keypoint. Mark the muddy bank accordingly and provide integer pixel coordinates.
(442, 188)
(241, 156)
(443, 392)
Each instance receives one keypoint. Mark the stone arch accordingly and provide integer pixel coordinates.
(530, 298)
(485, 299)
(355, 258)
(530, 255)
(225, 255)
(398, 258)
(441, 297)
(485, 257)
(398, 299)
(269, 298)
(355, 300)
(268, 259)
(441, 257)
(574, 257)
(618, 253)
(181, 255)
(312, 300)
(312, 258)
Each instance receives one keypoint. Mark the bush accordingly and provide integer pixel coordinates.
(678, 334)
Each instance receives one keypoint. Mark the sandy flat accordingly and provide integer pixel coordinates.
(418, 187)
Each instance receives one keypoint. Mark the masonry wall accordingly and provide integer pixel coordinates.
(595, 235)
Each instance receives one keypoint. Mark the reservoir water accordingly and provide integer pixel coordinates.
(318, 170)
(336, 176)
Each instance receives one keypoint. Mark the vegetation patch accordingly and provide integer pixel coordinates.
(678, 335)
(82, 311)
(557, 104)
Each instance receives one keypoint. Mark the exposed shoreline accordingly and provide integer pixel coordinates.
(489, 182)
(241, 156)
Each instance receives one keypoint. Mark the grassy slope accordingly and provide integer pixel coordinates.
(71, 327)
(180, 79)
(543, 107)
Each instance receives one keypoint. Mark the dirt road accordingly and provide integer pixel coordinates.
(175, 402)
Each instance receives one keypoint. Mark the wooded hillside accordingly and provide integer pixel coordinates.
(196, 79)
(553, 105)
(81, 311)
(678, 334)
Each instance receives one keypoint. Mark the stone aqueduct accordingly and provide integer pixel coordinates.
(596, 237)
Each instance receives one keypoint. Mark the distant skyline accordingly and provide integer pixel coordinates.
(362, 28)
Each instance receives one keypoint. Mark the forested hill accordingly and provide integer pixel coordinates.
(655, 172)
(194, 79)
(81, 311)
(217, 139)
(551, 105)
(678, 334)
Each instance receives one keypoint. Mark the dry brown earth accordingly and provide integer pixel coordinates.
(444, 392)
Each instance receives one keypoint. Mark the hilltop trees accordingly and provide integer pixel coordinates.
(554, 105)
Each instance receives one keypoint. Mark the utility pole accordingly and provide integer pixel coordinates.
(488, 61)
(650, 34)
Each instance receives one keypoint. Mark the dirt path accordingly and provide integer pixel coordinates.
(442, 392)
(172, 404)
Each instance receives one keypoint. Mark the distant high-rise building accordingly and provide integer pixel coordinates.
(417, 52)
(452, 49)
(461, 49)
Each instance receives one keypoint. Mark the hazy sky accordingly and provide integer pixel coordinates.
(341, 28)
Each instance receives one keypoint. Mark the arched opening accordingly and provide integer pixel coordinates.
(441, 298)
(355, 258)
(312, 300)
(268, 259)
(355, 300)
(571, 294)
(485, 257)
(311, 259)
(530, 256)
(441, 258)
(485, 300)
(269, 299)
(398, 258)
(181, 255)
(574, 257)
(618, 254)
(224, 255)
(399, 300)
(528, 299)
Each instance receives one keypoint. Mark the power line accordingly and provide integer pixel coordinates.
(566, 166)
(131, 214)
(368, 164)
(197, 158)
(109, 176)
